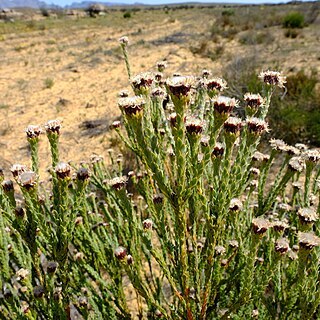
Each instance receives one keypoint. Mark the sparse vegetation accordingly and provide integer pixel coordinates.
(48, 83)
(291, 33)
(256, 37)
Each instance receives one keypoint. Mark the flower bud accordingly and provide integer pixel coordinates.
(260, 157)
(53, 127)
(215, 86)
(173, 119)
(260, 225)
(204, 141)
(115, 125)
(312, 156)
(118, 183)
(158, 77)
(194, 126)
(7, 293)
(224, 262)
(22, 274)
(253, 101)
(83, 302)
(279, 226)
(83, 174)
(17, 169)
(292, 255)
(52, 266)
(38, 291)
(220, 250)
(158, 314)
(218, 150)
(233, 125)
(282, 246)
(278, 145)
(79, 256)
(131, 106)
(296, 164)
(120, 253)
(123, 94)
(291, 151)
(33, 131)
(224, 105)
(27, 179)
(307, 215)
(180, 86)
(308, 240)
(7, 186)
(255, 313)
(19, 212)
(158, 93)
(129, 259)
(273, 78)
(234, 244)
(147, 224)
(158, 199)
(96, 158)
(161, 65)
(235, 205)
(124, 40)
(206, 73)
(142, 82)
(62, 170)
(257, 126)
(301, 146)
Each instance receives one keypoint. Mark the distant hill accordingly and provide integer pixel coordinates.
(24, 4)
(86, 4)
(41, 4)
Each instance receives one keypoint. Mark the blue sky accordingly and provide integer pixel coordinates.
(67, 2)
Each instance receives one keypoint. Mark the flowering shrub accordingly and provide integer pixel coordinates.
(211, 227)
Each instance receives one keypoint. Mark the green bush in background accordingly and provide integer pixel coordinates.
(293, 20)
(294, 113)
(127, 15)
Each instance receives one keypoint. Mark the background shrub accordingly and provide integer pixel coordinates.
(293, 113)
(297, 113)
(293, 20)
(127, 15)
(253, 37)
(291, 33)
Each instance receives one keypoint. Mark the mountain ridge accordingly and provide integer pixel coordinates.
(24, 4)
(36, 4)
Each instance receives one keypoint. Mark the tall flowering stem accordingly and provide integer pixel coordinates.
(33, 133)
(53, 128)
(124, 41)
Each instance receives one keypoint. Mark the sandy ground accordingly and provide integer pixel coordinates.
(74, 72)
